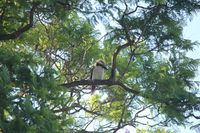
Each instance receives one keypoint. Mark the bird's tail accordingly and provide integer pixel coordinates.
(92, 89)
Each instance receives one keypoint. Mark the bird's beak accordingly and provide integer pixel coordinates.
(105, 68)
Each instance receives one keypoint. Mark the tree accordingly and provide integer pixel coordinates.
(47, 48)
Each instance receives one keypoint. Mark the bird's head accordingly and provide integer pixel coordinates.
(101, 63)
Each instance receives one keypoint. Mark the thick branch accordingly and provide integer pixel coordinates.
(114, 59)
(100, 82)
(23, 29)
(192, 115)
(142, 7)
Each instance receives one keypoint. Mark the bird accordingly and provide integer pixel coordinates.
(97, 72)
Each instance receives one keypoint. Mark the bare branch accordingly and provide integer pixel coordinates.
(192, 115)
(142, 7)
(100, 82)
(114, 59)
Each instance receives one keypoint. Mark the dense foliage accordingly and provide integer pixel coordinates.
(47, 48)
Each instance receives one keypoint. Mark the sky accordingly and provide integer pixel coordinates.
(192, 31)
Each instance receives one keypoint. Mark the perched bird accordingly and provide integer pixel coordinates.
(97, 72)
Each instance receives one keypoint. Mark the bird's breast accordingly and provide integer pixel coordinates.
(98, 73)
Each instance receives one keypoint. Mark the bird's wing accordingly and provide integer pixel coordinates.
(105, 67)
(91, 71)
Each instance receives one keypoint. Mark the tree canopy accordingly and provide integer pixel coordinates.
(47, 48)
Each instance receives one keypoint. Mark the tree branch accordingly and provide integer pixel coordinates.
(192, 115)
(142, 7)
(108, 82)
(114, 59)
(23, 29)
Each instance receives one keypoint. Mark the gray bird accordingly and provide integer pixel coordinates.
(97, 72)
